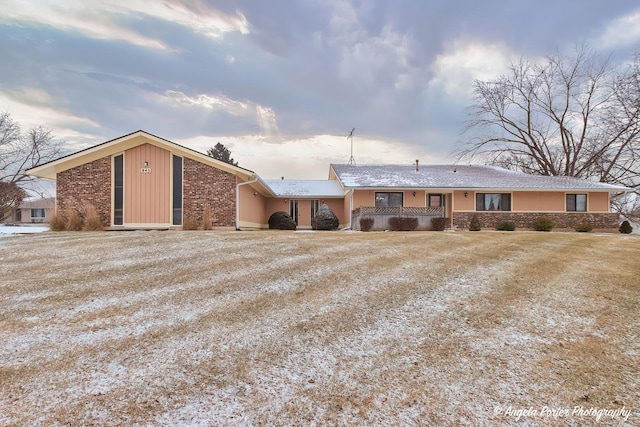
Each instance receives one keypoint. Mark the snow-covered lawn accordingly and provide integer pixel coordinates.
(326, 328)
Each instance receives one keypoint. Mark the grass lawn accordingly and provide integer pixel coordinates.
(335, 328)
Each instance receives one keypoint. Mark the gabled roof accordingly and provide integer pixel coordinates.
(304, 188)
(117, 145)
(38, 203)
(457, 176)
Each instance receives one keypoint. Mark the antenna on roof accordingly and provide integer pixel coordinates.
(352, 161)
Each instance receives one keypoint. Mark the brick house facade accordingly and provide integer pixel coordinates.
(523, 220)
(89, 183)
(207, 188)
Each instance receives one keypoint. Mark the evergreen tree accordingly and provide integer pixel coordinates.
(220, 152)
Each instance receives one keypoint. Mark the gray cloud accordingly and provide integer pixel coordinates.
(397, 71)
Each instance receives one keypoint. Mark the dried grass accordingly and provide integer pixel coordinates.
(56, 222)
(92, 220)
(283, 328)
(72, 219)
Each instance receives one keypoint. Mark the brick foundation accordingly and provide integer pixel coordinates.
(523, 220)
(87, 183)
(205, 187)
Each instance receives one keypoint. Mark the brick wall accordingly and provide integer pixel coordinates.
(568, 220)
(205, 187)
(87, 183)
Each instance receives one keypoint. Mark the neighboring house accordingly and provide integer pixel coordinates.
(33, 211)
(459, 192)
(143, 181)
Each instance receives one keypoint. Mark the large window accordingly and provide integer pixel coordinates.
(118, 191)
(493, 201)
(177, 190)
(315, 205)
(389, 199)
(435, 201)
(577, 202)
(293, 210)
(37, 214)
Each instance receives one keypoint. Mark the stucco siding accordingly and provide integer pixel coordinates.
(538, 201)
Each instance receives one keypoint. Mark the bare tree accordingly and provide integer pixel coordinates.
(570, 116)
(18, 152)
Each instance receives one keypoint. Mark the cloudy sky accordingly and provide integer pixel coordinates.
(281, 83)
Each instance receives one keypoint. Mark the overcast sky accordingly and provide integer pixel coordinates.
(281, 83)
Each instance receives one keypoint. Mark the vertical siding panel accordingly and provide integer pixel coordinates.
(147, 195)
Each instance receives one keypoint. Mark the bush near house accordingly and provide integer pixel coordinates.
(281, 220)
(400, 223)
(542, 224)
(506, 226)
(91, 219)
(583, 227)
(439, 224)
(474, 224)
(56, 223)
(625, 227)
(366, 224)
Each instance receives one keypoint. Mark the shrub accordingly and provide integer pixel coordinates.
(583, 227)
(542, 224)
(189, 223)
(73, 222)
(474, 224)
(366, 224)
(56, 223)
(400, 223)
(506, 226)
(625, 227)
(207, 220)
(92, 220)
(281, 220)
(439, 224)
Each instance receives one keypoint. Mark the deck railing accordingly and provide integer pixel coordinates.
(381, 216)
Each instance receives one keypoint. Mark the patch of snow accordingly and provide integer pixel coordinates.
(6, 230)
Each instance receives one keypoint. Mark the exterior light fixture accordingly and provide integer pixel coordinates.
(255, 194)
(466, 194)
(414, 194)
(146, 163)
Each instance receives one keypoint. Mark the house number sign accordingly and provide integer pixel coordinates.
(145, 170)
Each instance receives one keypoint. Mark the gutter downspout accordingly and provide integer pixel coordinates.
(255, 179)
(348, 227)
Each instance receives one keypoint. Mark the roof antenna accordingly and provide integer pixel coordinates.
(352, 161)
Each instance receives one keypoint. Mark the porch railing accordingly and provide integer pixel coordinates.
(381, 216)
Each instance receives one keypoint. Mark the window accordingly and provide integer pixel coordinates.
(118, 191)
(389, 199)
(293, 210)
(315, 205)
(577, 202)
(177, 190)
(37, 214)
(493, 201)
(435, 200)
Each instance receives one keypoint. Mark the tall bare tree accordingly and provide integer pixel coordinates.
(20, 151)
(572, 115)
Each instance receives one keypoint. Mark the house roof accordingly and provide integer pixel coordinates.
(305, 188)
(458, 176)
(38, 203)
(117, 145)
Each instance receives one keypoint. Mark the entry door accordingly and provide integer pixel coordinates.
(147, 185)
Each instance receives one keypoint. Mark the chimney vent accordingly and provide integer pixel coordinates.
(417, 165)
(282, 178)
